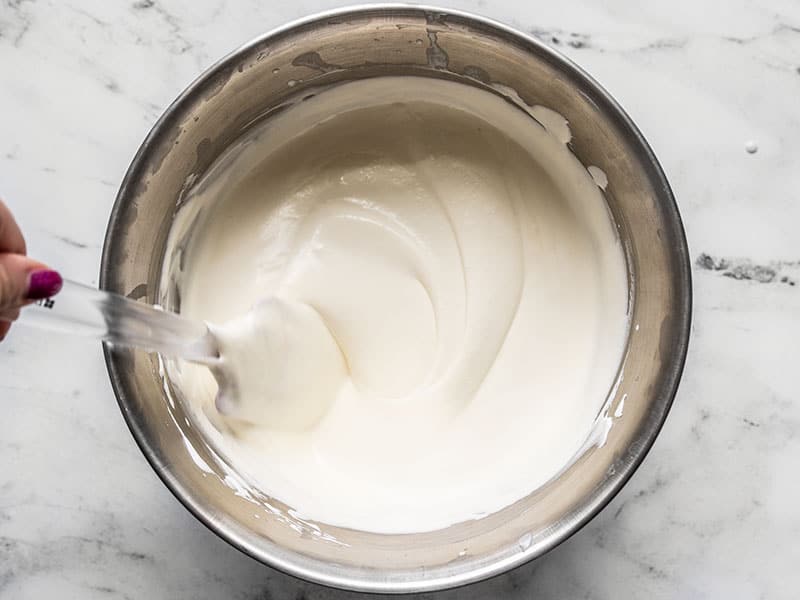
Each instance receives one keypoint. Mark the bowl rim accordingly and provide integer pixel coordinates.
(650, 430)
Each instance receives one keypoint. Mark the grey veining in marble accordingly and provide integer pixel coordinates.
(714, 512)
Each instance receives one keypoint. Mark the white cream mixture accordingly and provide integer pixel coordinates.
(440, 303)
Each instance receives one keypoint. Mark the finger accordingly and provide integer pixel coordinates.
(12, 314)
(23, 279)
(4, 327)
(11, 239)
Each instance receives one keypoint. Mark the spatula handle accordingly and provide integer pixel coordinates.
(82, 310)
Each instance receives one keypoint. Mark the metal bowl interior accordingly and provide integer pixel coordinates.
(268, 75)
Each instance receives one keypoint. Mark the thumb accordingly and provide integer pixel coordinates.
(23, 279)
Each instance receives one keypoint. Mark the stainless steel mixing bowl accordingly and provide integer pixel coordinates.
(270, 73)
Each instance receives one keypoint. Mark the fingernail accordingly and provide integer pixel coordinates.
(43, 284)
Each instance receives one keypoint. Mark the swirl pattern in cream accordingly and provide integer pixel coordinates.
(420, 296)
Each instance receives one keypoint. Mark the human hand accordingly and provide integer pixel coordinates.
(22, 280)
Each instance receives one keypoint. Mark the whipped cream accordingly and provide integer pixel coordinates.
(420, 297)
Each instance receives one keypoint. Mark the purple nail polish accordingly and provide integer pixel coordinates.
(43, 284)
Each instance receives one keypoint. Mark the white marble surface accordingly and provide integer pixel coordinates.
(714, 512)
